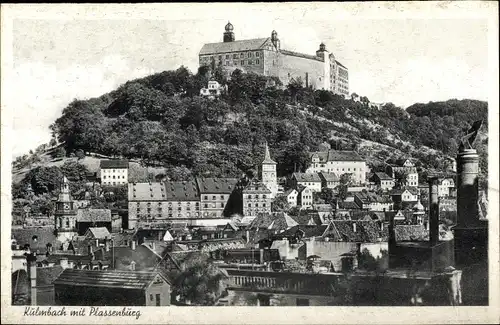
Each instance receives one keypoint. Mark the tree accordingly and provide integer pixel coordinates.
(345, 181)
(401, 177)
(61, 152)
(80, 154)
(294, 86)
(280, 204)
(201, 283)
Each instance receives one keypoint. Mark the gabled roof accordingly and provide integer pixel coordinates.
(182, 191)
(235, 46)
(114, 164)
(98, 233)
(148, 191)
(289, 191)
(274, 221)
(383, 176)
(216, 185)
(329, 177)
(309, 177)
(345, 231)
(348, 205)
(308, 230)
(93, 215)
(308, 219)
(37, 238)
(138, 280)
(267, 157)
(399, 191)
(256, 187)
(45, 276)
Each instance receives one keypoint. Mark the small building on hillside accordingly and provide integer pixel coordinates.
(310, 180)
(111, 288)
(373, 202)
(305, 197)
(291, 196)
(339, 162)
(384, 181)
(114, 172)
(213, 90)
(329, 180)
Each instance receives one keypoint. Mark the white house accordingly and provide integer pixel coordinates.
(114, 172)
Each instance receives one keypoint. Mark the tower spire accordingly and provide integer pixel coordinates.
(267, 156)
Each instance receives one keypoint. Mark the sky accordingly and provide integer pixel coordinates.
(404, 61)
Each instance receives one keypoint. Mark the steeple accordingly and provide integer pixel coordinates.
(64, 195)
(229, 34)
(267, 156)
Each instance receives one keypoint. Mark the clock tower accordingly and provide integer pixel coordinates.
(268, 173)
(65, 214)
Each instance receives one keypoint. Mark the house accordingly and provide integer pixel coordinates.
(445, 187)
(256, 199)
(372, 202)
(404, 197)
(99, 233)
(114, 172)
(111, 288)
(183, 200)
(291, 196)
(400, 166)
(384, 181)
(213, 90)
(324, 211)
(147, 204)
(329, 180)
(308, 218)
(311, 180)
(86, 218)
(305, 197)
(339, 162)
(214, 196)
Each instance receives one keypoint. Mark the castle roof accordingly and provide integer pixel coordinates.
(235, 46)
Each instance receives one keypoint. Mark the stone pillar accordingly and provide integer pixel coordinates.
(433, 210)
(31, 260)
(467, 188)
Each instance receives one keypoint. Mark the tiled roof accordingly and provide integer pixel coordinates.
(289, 191)
(44, 236)
(399, 191)
(343, 66)
(309, 231)
(182, 191)
(93, 215)
(235, 46)
(46, 275)
(329, 177)
(107, 279)
(308, 219)
(114, 164)
(303, 177)
(99, 232)
(216, 185)
(411, 233)
(368, 197)
(323, 207)
(153, 191)
(383, 176)
(275, 221)
(348, 205)
(256, 187)
(143, 257)
(343, 230)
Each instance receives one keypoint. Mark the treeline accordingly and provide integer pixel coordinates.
(162, 119)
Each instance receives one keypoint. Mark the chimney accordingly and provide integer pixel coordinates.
(64, 263)
(354, 226)
(433, 210)
(153, 245)
(467, 188)
(133, 244)
(107, 244)
(261, 256)
(91, 251)
(247, 234)
(97, 243)
(31, 260)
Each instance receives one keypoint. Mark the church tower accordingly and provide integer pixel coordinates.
(65, 214)
(268, 173)
(275, 40)
(228, 34)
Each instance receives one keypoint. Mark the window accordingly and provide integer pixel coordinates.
(151, 297)
(214, 197)
(205, 206)
(158, 299)
(235, 56)
(257, 61)
(257, 54)
(250, 62)
(227, 62)
(242, 62)
(222, 197)
(227, 56)
(249, 54)
(205, 197)
(222, 205)
(249, 205)
(241, 55)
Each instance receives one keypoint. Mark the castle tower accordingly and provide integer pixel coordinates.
(65, 214)
(325, 55)
(268, 173)
(228, 34)
(275, 40)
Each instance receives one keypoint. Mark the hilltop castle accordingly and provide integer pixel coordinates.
(264, 56)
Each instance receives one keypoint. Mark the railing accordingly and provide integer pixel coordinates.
(303, 283)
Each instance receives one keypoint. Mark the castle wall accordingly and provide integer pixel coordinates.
(293, 67)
